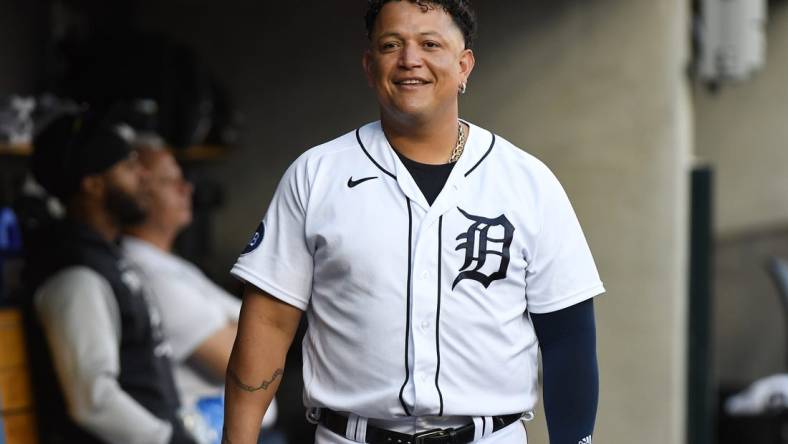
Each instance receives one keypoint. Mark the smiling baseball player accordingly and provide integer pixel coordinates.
(432, 259)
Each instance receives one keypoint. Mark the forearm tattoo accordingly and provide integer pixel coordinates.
(263, 386)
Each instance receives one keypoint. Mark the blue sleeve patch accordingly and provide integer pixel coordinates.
(257, 239)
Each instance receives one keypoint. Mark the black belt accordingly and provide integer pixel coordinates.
(337, 423)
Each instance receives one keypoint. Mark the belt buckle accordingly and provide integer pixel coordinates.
(431, 436)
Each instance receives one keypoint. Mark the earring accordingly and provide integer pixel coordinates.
(463, 87)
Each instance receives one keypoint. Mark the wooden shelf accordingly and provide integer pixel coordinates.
(16, 393)
(197, 153)
(20, 428)
(15, 150)
(201, 153)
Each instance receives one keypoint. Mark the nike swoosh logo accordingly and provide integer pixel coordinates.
(352, 183)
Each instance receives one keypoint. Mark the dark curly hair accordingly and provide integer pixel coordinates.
(459, 10)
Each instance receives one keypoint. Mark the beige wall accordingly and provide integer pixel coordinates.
(749, 318)
(743, 132)
(599, 94)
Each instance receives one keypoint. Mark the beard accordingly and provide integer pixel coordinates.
(124, 207)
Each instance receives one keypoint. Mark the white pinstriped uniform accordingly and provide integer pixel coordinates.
(415, 310)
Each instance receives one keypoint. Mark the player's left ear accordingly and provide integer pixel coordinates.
(467, 62)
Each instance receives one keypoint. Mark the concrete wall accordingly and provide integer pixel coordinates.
(596, 89)
(742, 132)
(749, 317)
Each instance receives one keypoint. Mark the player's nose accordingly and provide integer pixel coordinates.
(409, 57)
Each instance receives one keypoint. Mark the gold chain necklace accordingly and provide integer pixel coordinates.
(460, 147)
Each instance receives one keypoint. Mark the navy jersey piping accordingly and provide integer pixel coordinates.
(407, 308)
(492, 144)
(438, 318)
(363, 148)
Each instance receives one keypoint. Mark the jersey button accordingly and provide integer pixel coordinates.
(425, 275)
(425, 325)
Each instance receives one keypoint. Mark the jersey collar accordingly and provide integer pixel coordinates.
(380, 152)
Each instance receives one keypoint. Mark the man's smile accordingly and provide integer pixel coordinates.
(409, 82)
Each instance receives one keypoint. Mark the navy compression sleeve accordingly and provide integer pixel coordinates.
(567, 339)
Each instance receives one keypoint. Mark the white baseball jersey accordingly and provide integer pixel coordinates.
(419, 310)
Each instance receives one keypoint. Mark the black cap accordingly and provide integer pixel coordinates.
(76, 145)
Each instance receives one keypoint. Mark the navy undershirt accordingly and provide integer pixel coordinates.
(429, 178)
(567, 339)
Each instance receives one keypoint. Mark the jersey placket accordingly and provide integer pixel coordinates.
(427, 290)
(424, 329)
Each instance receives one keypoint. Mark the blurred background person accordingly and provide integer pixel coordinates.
(93, 330)
(200, 318)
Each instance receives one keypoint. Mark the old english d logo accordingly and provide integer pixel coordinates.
(485, 248)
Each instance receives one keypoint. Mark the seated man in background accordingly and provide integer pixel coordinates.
(200, 319)
(101, 365)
